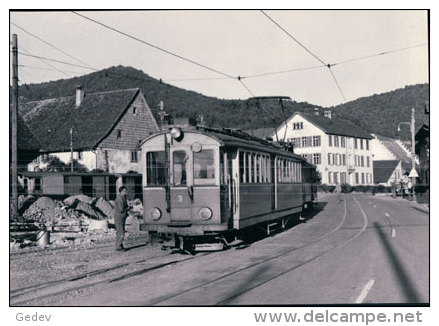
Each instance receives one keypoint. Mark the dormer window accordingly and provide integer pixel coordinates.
(134, 110)
(119, 133)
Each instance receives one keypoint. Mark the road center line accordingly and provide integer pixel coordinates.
(365, 291)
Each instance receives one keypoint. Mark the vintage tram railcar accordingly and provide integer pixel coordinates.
(202, 180)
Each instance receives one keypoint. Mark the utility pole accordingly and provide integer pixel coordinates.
(14, 172)
(413, 173)
(71, 150)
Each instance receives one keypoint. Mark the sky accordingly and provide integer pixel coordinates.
(298, 43)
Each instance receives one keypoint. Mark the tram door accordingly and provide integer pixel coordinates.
(181, 192)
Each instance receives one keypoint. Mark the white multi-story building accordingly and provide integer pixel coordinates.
(341, 150)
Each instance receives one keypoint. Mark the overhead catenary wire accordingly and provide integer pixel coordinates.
(41, 59)
(309, 51)
(57, 61)
(51, 45)
(155, 46)
(378, 54)
(50, 69)
(292, 37)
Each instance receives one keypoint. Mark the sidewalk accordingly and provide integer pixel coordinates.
(420, 206)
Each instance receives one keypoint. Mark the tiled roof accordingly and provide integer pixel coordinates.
(51, 120)
(382, 170)
(336, 126)
(26, 141)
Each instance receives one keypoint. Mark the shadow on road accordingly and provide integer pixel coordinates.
(259, 232)
(404, 280)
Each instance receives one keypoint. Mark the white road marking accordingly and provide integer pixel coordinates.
(365, 291)
(393, 232)
(387, 214)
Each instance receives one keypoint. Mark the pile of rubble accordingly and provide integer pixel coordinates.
(46, 210)
(75, 220)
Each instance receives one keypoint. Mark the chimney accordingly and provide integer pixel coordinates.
(79, 95)
(316, 111)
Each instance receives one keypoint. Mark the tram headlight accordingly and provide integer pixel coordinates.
(205, 213)
(176, 133)
(155, 213)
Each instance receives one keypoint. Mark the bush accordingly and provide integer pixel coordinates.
(346, 188)
(325, 188)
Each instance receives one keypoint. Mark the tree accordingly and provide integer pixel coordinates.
(55, 164)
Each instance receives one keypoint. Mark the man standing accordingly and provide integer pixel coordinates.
(338, 191)
(120, 215)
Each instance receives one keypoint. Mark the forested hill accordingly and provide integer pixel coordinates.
(383, 112)
(378, 113)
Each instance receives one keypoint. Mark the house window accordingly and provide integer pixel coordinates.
(357, 179)
(134, 157)
(316, 141)
(329, 159)
(361, 143)
(335, 177)
(118, 133)
(336, 141)
(343, 159)
(362, 178)
(330, 140)
(362, 160)
(367, 144)
(335, 159)
(134, 110)
(297, 125)
(317, 158)
(343, 177)
(368, 161)
(329, 177)
(296, 142)
(304, 142)
(355, 143)
(343, 142)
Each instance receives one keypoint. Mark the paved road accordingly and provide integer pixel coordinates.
(364, 249)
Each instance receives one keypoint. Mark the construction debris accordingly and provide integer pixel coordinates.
(89, 219)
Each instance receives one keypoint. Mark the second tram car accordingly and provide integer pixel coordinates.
(202, 181)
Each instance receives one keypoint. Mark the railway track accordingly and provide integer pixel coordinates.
(38, 292)
(65, 249)
(283, 255)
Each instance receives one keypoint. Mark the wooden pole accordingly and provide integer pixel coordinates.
(14, 169)
(71, 150)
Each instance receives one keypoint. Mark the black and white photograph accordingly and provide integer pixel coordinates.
(220, 158)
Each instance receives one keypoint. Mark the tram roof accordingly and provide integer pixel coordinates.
(237, 138)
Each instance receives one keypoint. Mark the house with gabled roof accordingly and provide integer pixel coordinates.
(102, 129)
(387, 172)
(386, 149)
(340, 149)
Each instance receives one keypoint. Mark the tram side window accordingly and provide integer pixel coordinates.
(156, 170)
(248, 170)
(241, 167)
(204, 167)
(179, 168)
(258, 168)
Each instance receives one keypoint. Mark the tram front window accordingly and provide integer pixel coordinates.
(204, 167)
(179, 168)
(156, 169)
